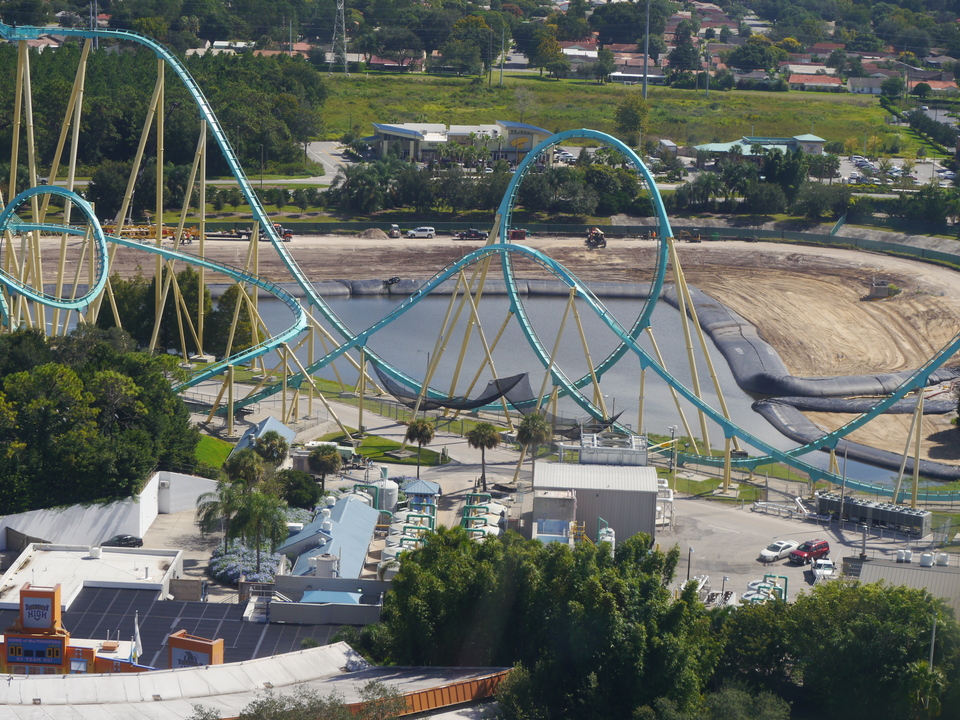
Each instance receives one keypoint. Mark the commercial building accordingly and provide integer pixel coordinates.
(810, 144)
(505, 140)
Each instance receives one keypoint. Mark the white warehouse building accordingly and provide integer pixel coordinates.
(625, 497)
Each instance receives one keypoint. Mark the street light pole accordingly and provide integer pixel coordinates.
(646, 50)
(689, 561)
(723, 586)
(673, 448)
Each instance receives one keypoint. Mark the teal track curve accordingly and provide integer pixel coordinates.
(627, 336)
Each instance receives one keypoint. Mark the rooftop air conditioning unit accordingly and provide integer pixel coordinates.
(164, 484)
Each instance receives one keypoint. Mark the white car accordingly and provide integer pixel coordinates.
(778, 550)
(421, 232)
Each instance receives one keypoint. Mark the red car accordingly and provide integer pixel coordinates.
(809, 551)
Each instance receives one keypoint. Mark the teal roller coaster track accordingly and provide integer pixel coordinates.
(627, 337)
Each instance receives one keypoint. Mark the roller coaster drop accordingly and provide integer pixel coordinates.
(24, 300)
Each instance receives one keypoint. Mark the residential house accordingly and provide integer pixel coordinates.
(820, 83)
(865, 85)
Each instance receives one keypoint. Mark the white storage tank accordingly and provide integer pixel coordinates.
(943, 559)
(327, 566)
(388, 569)
(388, 495)
(363, 497)
(609, 536)
(330, 500)
(926, 560)
(908, 555)
(901, 555)
(391, 552)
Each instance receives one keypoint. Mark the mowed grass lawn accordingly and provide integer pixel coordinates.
(213, 451)
(685, 116)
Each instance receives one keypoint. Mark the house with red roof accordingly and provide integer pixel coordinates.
(820, 83)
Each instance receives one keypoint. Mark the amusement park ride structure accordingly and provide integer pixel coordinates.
(26, 303)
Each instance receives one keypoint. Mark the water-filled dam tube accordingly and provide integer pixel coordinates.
(758, 368)
(795, 425)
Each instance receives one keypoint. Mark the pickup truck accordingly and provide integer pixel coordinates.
(472, 234)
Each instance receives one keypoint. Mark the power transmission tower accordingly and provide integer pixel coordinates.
(338, 48)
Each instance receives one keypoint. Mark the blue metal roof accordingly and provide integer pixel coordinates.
(331, 596)
(260, 429)
(398, 130)
(421, 487)
(523, 126)
(352, 524)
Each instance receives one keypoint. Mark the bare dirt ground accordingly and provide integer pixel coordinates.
(806, 301)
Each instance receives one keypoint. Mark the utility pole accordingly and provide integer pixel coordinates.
(502, 36)
(646, 50)
(490, 60)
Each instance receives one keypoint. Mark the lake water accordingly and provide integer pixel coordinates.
(406, 342)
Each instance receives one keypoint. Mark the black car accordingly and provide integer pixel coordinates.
(123, 541)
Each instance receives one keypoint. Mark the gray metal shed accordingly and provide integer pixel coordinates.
(624, 496)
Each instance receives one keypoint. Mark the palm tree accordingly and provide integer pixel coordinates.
(247, 466)
(263, 517)
(324, 460)
(534, 430)
(272, 448)
(483, 436)
(215, 510)
(421, 432)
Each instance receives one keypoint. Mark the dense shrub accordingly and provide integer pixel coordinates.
(227, 565)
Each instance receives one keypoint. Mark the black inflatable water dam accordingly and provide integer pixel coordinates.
(795, 425)
(758, 369)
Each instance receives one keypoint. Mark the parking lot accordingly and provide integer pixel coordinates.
(923, 170)
(726, 540)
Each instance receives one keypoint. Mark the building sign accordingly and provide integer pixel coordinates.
(34, 651)
(181, 657)
(37, 612)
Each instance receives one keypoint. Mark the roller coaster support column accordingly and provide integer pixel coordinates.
(673, 392)
(643, 382)
(363, 387)
(906, 449)
(834, 466)
(726, 464)
(487, 352)
(230, 432)
(598, 396)
(203, 233)
(916, 453)
(158, 295)
(286, 371)
(330, 410)
(556, 347)
(680, 288)
(707, 355)
(311, 354)
(74, 106)
(434, 358)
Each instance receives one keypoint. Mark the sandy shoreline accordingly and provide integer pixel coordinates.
(805, 301)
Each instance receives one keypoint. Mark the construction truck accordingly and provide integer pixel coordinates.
(595, 239)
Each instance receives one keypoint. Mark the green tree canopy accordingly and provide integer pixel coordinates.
(630, 117)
